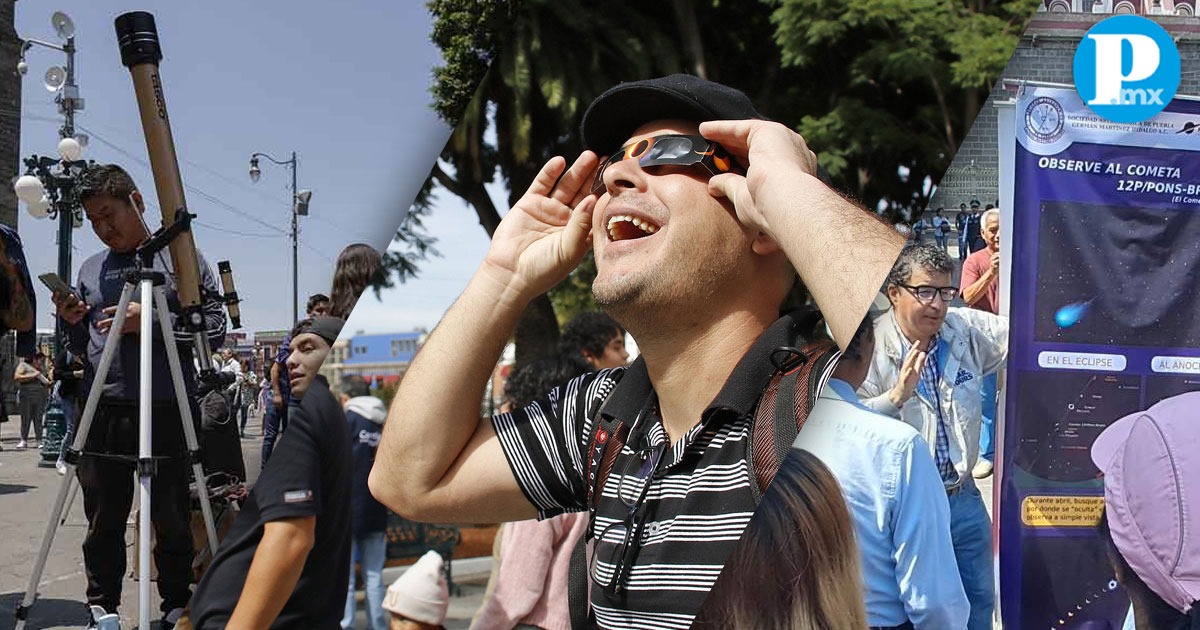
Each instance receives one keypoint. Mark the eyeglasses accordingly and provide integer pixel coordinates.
(612, 573)
(677, 149)
(926, 293)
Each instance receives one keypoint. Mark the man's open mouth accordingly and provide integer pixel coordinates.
(624, 227)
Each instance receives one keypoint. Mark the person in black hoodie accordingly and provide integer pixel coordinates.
(283, 563)
(364, 419)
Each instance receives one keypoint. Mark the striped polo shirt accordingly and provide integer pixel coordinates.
(699, 497)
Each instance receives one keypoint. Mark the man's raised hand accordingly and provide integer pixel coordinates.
(773, 156)
(546, 234)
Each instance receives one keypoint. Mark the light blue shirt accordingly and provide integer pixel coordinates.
(899, 508)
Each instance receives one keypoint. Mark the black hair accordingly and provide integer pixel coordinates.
(314, 300)
(927, 256)
(854, 349)
(354, 386)
(536, 379)
(590, 331)
(106, 179)
(356, 267)
(1150, 611)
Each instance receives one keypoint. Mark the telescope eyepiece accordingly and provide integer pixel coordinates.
(137, 38)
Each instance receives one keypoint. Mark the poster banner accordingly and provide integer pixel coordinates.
(1105, 321)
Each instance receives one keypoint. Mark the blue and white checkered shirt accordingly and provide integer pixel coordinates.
(931, 374)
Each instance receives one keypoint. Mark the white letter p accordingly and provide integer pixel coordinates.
(1110, 61)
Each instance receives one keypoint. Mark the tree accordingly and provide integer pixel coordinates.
(900, 83)
(883, 90)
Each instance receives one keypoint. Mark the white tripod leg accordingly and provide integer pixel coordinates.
(185, 414)
(81, 435)
(146, 463)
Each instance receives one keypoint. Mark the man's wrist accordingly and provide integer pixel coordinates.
(898, 397)
(503, 286)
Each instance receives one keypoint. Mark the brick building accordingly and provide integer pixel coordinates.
(1046, 53)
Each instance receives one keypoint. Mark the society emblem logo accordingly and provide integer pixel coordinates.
(1126, 69)
(1044, 119)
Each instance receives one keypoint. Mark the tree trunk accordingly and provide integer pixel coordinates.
(537, 331)
(689, 34)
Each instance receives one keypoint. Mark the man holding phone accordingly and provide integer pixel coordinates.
(114, 209)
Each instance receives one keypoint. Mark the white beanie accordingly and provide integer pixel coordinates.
(420, 594)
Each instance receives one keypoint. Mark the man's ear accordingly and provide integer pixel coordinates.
(764, 245)
(138, 203)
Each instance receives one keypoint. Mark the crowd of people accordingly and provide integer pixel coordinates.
(741, 472)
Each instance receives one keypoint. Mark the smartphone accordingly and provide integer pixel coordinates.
(56, 284)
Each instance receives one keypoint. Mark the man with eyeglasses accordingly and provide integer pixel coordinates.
(928, 370)
(700, 220)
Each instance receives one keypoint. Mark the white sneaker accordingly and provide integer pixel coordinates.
(982, 470)
(21, 445)
(103, 620)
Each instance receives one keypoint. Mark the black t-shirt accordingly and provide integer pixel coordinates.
(309, 475)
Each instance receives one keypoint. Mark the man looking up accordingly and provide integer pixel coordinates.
(928, 369)
(694, 257)
(114, 208)
(284, 563)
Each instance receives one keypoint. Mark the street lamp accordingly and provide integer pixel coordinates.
(300, 199)
(49, 186)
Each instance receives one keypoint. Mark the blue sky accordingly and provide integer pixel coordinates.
(344, 85)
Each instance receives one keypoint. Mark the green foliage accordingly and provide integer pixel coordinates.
(882, 90)
(894, 83)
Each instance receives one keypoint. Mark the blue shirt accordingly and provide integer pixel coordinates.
(899, 509)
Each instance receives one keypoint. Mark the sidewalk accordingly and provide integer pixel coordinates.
(27, 494)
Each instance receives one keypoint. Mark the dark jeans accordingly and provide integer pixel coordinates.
(108, 492)
(70, 408)
(274, 423)
(245, 411)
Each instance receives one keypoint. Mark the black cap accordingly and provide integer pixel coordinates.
(137, 39)
(323, 326)
(613, 117)
(974, 203)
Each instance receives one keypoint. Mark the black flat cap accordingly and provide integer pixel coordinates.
(613, 117)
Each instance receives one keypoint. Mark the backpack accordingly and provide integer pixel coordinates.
(791, 393)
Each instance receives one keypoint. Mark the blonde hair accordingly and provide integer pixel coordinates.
(797, 564)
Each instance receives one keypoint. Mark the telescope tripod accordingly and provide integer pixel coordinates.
(153, 302)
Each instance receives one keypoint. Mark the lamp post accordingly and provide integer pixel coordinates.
(300, 199)
(49, 185)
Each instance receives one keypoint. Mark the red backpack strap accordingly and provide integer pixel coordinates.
(784, 408)
(608, 439)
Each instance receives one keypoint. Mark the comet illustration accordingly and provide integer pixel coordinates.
(1071, 314)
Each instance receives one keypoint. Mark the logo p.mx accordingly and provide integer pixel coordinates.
(1127, 69)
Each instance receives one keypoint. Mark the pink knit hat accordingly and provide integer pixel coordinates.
(1151, 465)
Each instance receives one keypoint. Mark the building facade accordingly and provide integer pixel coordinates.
(1046, 53)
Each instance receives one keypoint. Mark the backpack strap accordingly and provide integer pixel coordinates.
(608, 438)
(784, 408)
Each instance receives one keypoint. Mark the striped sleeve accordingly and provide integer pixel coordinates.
(544, 443)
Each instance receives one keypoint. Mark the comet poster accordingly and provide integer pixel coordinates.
(1105, 321)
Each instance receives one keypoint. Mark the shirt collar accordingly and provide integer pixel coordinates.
(741, 391)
